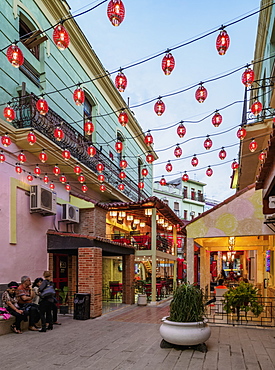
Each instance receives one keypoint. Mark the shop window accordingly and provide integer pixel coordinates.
(185, 189)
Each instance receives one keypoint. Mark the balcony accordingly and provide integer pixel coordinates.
(27, 116)
(195, 197)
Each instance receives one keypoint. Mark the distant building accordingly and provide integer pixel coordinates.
(210, 203)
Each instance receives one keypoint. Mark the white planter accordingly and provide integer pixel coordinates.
(184, 333)
(142, 300)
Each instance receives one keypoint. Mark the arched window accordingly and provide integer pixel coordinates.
(140, 164)
(120, 137)
(89, 113)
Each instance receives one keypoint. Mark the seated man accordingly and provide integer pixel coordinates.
(25, 295)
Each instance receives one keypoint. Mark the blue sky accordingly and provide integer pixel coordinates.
(152, 26)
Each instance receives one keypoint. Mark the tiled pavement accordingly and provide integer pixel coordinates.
(129, 339)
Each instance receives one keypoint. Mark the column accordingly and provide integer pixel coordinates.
(205, 270)
(175, 253)
(190, 259)
(128, 275)
(154, 255)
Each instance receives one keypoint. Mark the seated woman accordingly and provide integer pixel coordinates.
(10, 302)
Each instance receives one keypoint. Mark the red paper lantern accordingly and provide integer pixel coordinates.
(56, 170)
(123, 164)
(181, 130)
(100, 167)
(43, 157)
(194, 161)
(18, 168)
(21, 157)
(6, 140)
(61, 37)
(52, 186)
(63, 179)
(150, 158)
(89, 128)
(207, 143)
(81, 178)
(217, 119)
(122, 175)
(77, 169)
(178, 151)
(123, 118)
(209, 171)
(222, 42)
(79, 96)
(201, 94)
(162, 181)
(2, 157)
(101, 178)
(121, 187)
(31, 138)
(159, 107)
(66, 154)
(15, 56)
(9, 113)
(234, 165)
(42, 106)
(102, 188)
(46, 179)
(256, 108)
(59, 134)
(116, 12)
(84, 188)
(141, 185)
(37, 170)
(241, 133)
(262, 156)
(144, 172)
(168, 64)
(185, 177)
(222, 154)
(68, 187)
(91, 150)
(30, 178)
(169, 167)
(148, 139)
(248, 77)
(121, 81)
(253, 145)
(119, 146)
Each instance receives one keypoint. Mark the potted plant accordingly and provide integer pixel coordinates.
(63, 296)
(142, 296)
(243, 297)
(186, 325)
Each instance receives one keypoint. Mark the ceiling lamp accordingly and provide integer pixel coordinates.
(129, 217)
(122, 214)
(121, 81)
(123, 164)
(52, 186)
(58, 133)
(46, 179)
(119, 146)
(18, 168)
(148, 139)
(121, 187)
(166, 224)
(170, 227)
(37, 170)
(253, 145)
(141, 185)
(207, 143)
(256, 108)
(21, 157)
(68, 187)
(235, 165)
(123, 118)
(6, 140)
(9, 113)
(148, 211)
(181, 130)
(150, 158)
(81, 178)
(101, 178)
(100, 167)
(222, 42)
(63, 179)
(248, 77)
(159, 107)
(209, 171)
(31, 138)
(161, 221)
(79, 96)
(142, 224)
(144, 172)
(222, 153)
(168, 167)
(15, 56)
(102, 188)
(194, 161)
(56, 170)
(262, 156)
(2, 157)
(61, 37)
(30, 177)
(43, 157)
(66, 154)
(217, 119)
(162, 181)
(89, 127)
(77, 169)
(91, 150)
(177, 151)
(241, 133)
(42, 106)
(122, 175)
(136, 221)
(115, 12)
(201, 94)
(185, 177)
(113, 213)
(168, 63)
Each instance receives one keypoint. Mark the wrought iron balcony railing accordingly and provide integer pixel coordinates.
(28, 116)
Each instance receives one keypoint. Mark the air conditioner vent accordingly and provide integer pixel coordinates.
(42, 200)
(70, 213)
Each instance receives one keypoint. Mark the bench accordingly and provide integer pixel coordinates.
(6, 324)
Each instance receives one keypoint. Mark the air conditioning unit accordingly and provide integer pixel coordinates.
(42, 200)
(70, 213)
(270, 217)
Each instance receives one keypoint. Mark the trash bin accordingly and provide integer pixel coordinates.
(82, 306)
